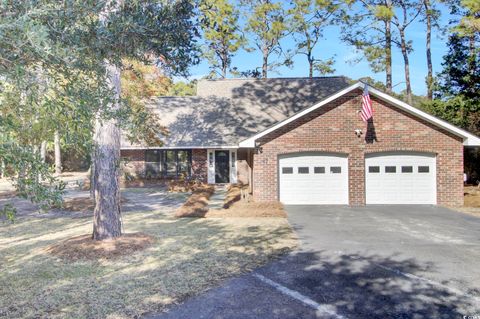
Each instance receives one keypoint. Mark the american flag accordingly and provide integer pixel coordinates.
(367, 110)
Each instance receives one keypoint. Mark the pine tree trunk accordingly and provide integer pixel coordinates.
(107, 221)
(58, 153)
(265, 62)
(310, 66)
(2, 169)
(43, 151)
(388, 56)
(92, 176)
(429, 52)
(403, 45)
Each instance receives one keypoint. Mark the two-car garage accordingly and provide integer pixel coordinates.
(390, 178)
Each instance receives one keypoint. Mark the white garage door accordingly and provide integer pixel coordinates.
(400, 178)
(313, 178)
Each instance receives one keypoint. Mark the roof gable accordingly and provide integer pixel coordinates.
(468, 138)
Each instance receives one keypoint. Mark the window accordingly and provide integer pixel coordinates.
(233, 159)
(183, 163)
(303, 170)
(168, 163)
(287, 170)
(407, 169)
(153, 167)
(152, 156)
(423, 169)
(319, 170)
(335, 169)
(374, 169)
(390, 169)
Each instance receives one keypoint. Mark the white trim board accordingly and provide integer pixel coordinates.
(468, 138)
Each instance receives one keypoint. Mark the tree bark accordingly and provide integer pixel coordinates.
(107, 221)
(388, 56)
(428, 50)
(388, 50)
(265, 62)
(58, 153)
(2, 169)
(403, 45)
(43, 151)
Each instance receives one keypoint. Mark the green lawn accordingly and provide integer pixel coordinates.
(188, 257)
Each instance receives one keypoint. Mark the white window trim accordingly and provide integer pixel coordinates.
(232, 169)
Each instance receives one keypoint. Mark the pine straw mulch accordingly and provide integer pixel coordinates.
(471, 204)
(85, 248)
(244, 208)
(197, 204)
(7, 194)
(81, 204)
(236, 204)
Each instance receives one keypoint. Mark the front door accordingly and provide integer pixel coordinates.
(222, 166)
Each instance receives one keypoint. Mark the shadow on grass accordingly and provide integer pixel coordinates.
(187, 257)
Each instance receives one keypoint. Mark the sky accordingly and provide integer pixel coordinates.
(332, 46)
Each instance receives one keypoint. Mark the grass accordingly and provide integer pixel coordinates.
(187, 256)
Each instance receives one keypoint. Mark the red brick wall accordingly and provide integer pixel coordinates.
(134, 163)
(331, 129)
(199, 165)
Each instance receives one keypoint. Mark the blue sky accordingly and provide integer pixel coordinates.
(332, 46)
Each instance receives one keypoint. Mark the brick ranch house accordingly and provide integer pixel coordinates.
(302, 141)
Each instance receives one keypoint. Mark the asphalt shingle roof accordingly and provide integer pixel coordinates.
(225, 112)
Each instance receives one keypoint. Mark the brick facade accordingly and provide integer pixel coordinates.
(133, 162)
(332, 129)
(200, 165)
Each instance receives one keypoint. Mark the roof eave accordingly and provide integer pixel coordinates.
(468, 138)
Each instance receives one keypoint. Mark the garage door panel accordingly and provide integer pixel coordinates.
(324, 182)
(412, 182)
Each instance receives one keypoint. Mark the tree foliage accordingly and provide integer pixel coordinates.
(267, 23)
(309, 18)
(458, 85)
(366, 25)
(66, 46)
(221, 33)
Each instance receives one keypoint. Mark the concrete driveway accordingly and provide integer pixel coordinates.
(369, 262)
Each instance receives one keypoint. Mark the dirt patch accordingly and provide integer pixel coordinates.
(239, 204)
(471, 199)
(197, 204)
(250, 209)
(85, 248)
(472, 196)
(8, 194)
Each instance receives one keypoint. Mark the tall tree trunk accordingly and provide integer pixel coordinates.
(403, 45)
(310, 65)
(2, 169)
(43, 151)
(92, 175)
(107, 221)
(224, 65)
(428, 50)
(265, 62)
(388, 55)
(58, 153)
